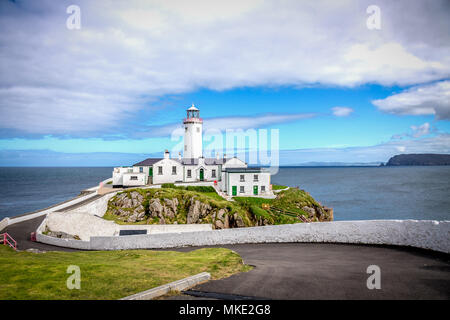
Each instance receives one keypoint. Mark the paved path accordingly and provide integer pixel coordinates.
(334, 271)
(21, 232)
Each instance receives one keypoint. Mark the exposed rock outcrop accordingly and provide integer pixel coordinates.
(169, 206)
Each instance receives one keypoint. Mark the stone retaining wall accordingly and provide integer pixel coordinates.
(97, 207)
(425, 234)
(86, 226)
(4, 223)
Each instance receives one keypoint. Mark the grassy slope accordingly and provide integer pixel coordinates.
(291, 200)
(106, 274)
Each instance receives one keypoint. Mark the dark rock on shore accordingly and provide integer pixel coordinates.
(425, 159)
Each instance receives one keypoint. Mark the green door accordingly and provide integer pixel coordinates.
(255, 190)
(234, 190)
(201, 175)
(150, 172)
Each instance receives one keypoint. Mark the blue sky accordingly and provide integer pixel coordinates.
(114, 90)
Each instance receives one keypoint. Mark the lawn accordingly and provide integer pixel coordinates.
(277, 187)
(106, 274)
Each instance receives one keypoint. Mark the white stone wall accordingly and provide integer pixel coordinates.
(97, 207)
(4, 223)
(195, 172)
(86, 225)
(425, 234)
(234, 179)
(145, 169)
(134, 179)
(118, 173)
(81, 224)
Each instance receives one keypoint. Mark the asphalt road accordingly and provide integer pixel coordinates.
(21, 232)
(311, 270)
(332, 271)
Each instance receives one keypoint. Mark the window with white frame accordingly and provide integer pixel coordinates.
(241, 189)
(141, 169)
(174, 170)
(255, 177)
(133, 178)
(213, 173)
(160, 170)
(263, 189)
(189, 173)
(242, 179)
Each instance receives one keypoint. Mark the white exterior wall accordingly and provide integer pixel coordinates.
(234, 179)
(128, 182)
(145, 169)
(167, 176)
(193, 144)
(118, 175)
(195, 173)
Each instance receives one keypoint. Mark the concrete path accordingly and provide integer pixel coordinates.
(333, 271)
(21, 232)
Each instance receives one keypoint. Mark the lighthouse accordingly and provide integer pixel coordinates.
(193, 134)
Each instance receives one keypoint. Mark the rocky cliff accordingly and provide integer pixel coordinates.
(171, 206)
(424, 159)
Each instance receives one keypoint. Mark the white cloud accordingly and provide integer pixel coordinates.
(433, 99)
(128, 53)
(342, 111)
(225, 123)
(421, 130)
(417, 132)
(376, 153)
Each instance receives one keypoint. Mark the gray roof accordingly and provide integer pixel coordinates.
(194, 161)
(244, 170)
(184, 161)
(147, 162)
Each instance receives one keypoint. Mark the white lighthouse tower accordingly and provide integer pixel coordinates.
(193, 133)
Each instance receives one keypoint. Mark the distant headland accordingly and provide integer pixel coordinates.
(423, 159)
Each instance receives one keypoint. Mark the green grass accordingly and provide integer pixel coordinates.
(106, 274)
(278, 187)
(213, 195)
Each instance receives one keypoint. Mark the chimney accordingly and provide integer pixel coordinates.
(179, 155)
(166, 154)
(217, 156)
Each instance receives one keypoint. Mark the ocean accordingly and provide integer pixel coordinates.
(355, 193)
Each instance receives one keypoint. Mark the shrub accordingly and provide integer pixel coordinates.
(200, 188)
(168, 185)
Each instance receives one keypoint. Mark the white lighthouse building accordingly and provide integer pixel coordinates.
(193, 134)
(230, 175)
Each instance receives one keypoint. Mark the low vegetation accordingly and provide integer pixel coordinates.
(278, 187)
(106, 274)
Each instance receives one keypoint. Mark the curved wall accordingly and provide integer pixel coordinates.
(427, 234)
